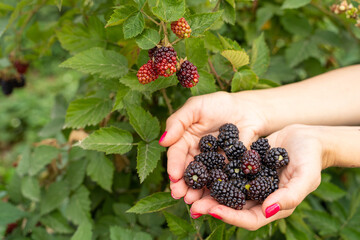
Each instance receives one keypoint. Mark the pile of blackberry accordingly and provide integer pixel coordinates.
(250, 174)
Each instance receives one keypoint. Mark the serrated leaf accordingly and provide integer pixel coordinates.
(132, 82)
(322, 221)
(212, 43)
(295, 24)
(354, 204)
(169, 10)
(30, 188)
(300, 51)
(196, 52)
(134, 25)
(41, 156)
(75, 173)
(24, 163)
(218, 233)
(294, 234)
(153, 203)
(84, 232)
(109, 140)
(243, 80)
(120, 14)
(57, 222)
(347, 233)
(86, 112)
(178, 226)
(229, 13)
(294, 3)
(9, 213)
(101, 170)
(229, 44)
(205, 85)
(78, 208)
(106, 63)
(121, 93)
(260, 56)
(54, 196)
(117, 233)
(236, 58)
(148, 39)
(265, 83)
(148, 155)
(149, 129)
(199, 23)
(329, 192)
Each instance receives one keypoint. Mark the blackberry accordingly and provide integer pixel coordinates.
(147, 73)
(240, 183)
(233, 169)
(226, 132)
(196, 175)
(261, 146)
(234, 149)
(188, 75)
(251, 162)
(276, 158)
(165, 61)
(152, 51)
(216, 175)
(260, 188)
(181, 28)
(227, 194)
(212, 160)
(21, 66)
(19, 83)
(7, 87)
(208, 143)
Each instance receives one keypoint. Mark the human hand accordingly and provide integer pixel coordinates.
(204, 115)
(297, 180)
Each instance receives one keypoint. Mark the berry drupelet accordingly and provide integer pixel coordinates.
(165, 61)
(147, 73)
(181, 28)
(216, 175)
(233, 169)
(188, 75)
(226, 193)
(276, 158)
(226, 132)
(251, 162)
(196, 175)
(212, 160)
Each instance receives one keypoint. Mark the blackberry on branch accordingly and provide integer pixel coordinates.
(151, 52)
(233, 169)
(276, 158)
(234, 149)
(19, 82)
(181, 28)
(208, 143)
(188, 75)
(261, 146)
(165, 61)
(147, 73)
(251, 162)
(212, 160)
(260, 188)
(7, 87)
(196, 175)
(216, 175)
(226, 132)
(227, 194)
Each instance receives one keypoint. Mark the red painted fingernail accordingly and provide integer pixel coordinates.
(174, 196)
(272, 210)
(195, 215)
(173, 180)
(162, 137)
(215, 216)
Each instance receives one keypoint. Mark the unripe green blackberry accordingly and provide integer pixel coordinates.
(261, 146)
(227, 194)
(212, 160)
(196, 175)
(165, 61)
(251, 162)
(234, 149)
(208, 143)
(276, 158)
(233, 169)
(226, 132)
(216, 175)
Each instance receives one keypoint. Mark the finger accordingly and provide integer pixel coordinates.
(247, 136)
(203, 205)
(178, 122)
(178, 189)
(193, 195)
(178, 159)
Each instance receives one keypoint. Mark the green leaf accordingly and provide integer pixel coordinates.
(30, 188)
(134, 25)
(121, 93)
(109, 140)
(212, 43)
(349, 233)
(329, 192)
(300, 51)
(148, 129)
(266, 83)
(106, 63)
(54, 196)
(6, 7)
(75, 173)
(78, 208)
(260, 56)
(169, 10)
(132, 82)
(218, 233)
(148, 155)
(42, 156)
(153, 203)
(9, 213)
(178, 226)
(295, 24)
(101, 170)
(117, 233)
(354, 204)
(59, 4)
(295, 3)
(120, 14)
(229, 44)
(86, 112)
(229, 13)
(24, 163)
(84, 232)
(236, 58)
(205, 85)
(196, 52)
(294, 234)
(199, 23)
(322, 221)
(148, 39)
(57, 222)
(243, 80)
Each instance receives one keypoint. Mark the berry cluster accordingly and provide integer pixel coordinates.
(348, 9)
(250, 174)
(9, 83)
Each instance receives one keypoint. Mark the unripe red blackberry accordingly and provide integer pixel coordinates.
(251, 162)
(147, 73)
(21, 66)
(188, 75)
(181, 28)
(165, 61)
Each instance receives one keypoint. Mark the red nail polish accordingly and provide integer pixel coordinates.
(174, 196)
(272, 210)
(173, 180)
(195, 215)
(162, 137)
(215, 216)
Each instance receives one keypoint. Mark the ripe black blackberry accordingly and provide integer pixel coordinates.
(165, 61)
(233, 169)
(208, 143)
(19, 82)
(261, 146)
(260, 188)
(240, 183)
(251, 162)
(216, 175)
(152, 51)
(196, 175)
(147, 73)
(212, 160)
(227, 194)
(226, 132)
(276, 158)
(7, 87)
(188, 75)
(234, 149)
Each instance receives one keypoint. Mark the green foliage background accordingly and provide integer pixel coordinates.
(66, 189)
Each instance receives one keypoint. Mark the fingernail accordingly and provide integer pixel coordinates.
(186, 202)
(272, 210)
(173, 180)
(162, 137)
(195, 215)
(174, 196)
(215, 216)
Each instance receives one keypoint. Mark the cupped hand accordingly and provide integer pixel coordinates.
(299, 178)
(198, 117)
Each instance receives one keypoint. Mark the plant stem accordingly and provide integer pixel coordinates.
(216, 6)
(150, 18)
(216, 75)
(176, 41)
(167, 101)
(166, 39)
